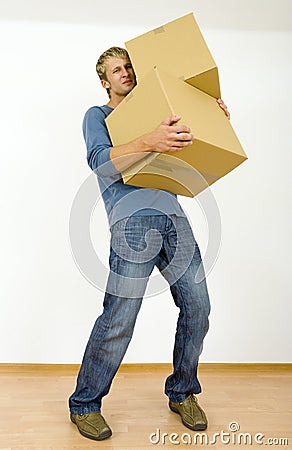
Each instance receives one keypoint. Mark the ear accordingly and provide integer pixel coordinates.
(105, 84)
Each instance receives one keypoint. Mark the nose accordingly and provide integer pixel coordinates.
(125, 72)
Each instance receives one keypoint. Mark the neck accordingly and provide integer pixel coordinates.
(113, 104)
(115, 100)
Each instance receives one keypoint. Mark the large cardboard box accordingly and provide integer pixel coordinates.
(216, 149)
(179, 49)
(176, 75)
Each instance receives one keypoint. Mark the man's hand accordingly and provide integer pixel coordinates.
(224, 107)
(169, 137)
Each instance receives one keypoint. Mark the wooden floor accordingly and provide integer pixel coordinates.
(34, 414)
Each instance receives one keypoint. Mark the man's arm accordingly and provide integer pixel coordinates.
(106, 160)
(167, 137)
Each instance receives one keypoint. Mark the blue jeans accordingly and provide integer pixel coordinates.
(138, 244)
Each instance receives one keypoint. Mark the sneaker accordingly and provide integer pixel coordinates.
(92, 425)
(191, 413)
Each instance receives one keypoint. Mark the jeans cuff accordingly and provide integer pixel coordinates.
(81, 411)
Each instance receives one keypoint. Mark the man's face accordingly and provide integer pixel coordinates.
(120, 76)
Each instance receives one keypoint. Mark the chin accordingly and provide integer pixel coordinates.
(129, 88)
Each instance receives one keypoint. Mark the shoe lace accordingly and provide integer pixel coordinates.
(193, 407)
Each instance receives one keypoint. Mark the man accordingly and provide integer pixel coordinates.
(133, 214)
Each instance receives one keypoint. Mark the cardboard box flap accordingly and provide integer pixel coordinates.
(200, 112)
(207, 82)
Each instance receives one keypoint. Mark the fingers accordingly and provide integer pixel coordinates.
(180, 129)
(177, 129)
(224, 107)
(174, 137)
(179, 145)
(171, 120)
(178, 141)
(180, 136)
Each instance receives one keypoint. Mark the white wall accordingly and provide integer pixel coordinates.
(47, 307)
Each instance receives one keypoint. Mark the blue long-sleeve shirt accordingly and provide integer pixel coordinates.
(121, 200)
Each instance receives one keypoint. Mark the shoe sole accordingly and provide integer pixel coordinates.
(199, 427)
(103, 436)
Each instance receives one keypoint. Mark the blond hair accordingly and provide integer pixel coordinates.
(113, 52)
